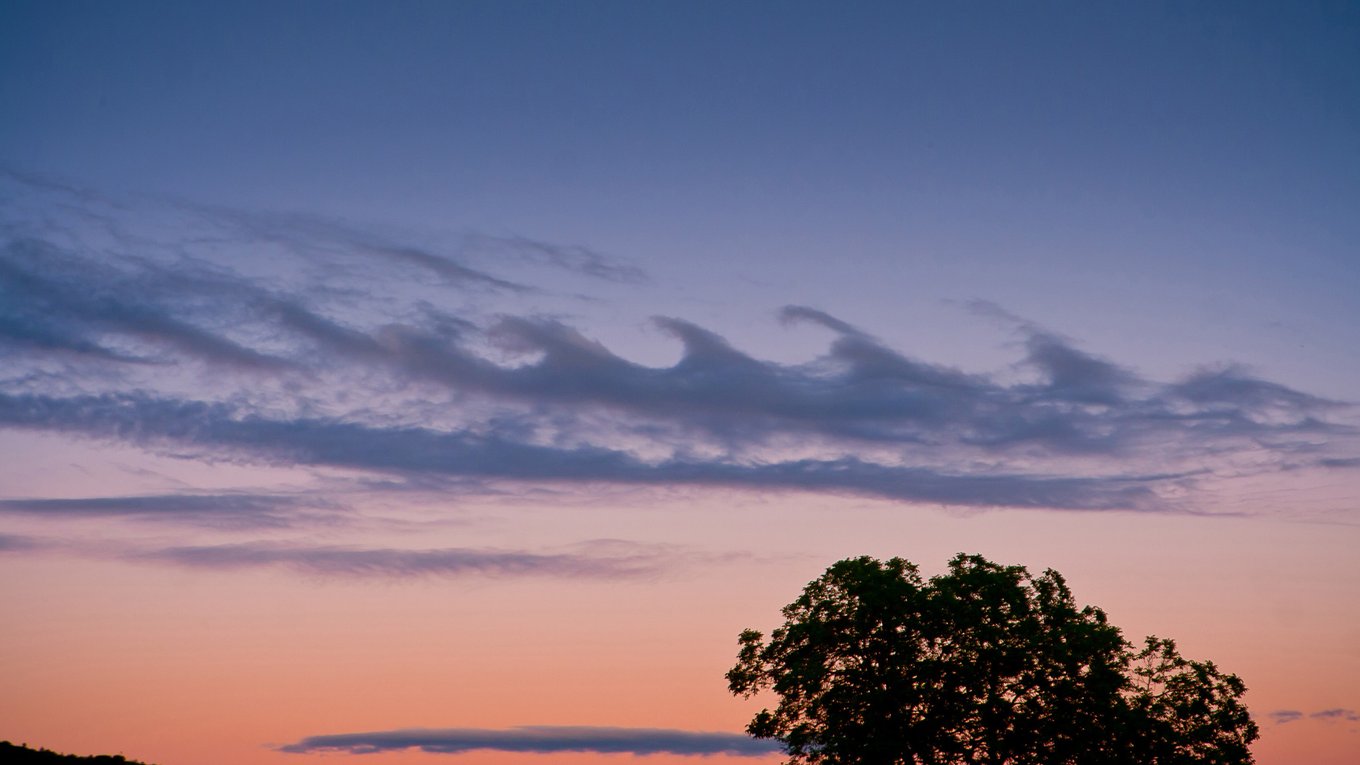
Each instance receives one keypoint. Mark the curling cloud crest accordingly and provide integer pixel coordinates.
(332, 350)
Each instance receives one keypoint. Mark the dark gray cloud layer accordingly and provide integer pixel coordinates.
(179, 425)
(541, 740)
(860, 391)
(171, 344)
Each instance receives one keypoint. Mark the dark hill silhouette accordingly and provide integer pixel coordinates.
(13, 754)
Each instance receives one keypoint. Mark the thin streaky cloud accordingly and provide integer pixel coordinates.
(17, 543)
(541, 739)
(574, 258)
(1284, 716)
(231, 510)
(619, 560)
(319, 238)
(615, 560)
(1337, 713)
(1332, 715)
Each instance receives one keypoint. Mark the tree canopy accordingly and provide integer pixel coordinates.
(985, 664)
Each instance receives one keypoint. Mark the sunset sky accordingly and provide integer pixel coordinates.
(451, 382)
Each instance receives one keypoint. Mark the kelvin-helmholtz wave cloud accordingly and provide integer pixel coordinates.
(297, 342)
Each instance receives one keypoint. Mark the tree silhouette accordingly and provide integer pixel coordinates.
(17, 754)
(984, 665)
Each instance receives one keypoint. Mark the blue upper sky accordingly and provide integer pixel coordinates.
(1116, 171)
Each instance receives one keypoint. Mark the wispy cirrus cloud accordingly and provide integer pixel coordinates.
(573, 258)
(321, 239)
(541, 739)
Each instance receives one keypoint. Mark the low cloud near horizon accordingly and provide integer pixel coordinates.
(541, 739)
(1335, 714)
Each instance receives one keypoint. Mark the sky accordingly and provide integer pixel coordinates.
(453, 382)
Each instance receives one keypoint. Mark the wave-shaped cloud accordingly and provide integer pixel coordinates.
(197, 344)
(541, 739)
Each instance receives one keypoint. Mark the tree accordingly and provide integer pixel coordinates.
(984, 665)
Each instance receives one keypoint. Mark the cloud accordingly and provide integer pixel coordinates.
(1339, 462)
(601, 559)
(292, 340)
(575, 258)
(1337, 713)
(54, 300)
(610, 559)
(234, 510)
(1283, 716)
(182, 424)
(542, 740)
(321, 239)
(859, 392)
(17, 543)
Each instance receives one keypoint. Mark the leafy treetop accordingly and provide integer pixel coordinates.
(987, 665)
